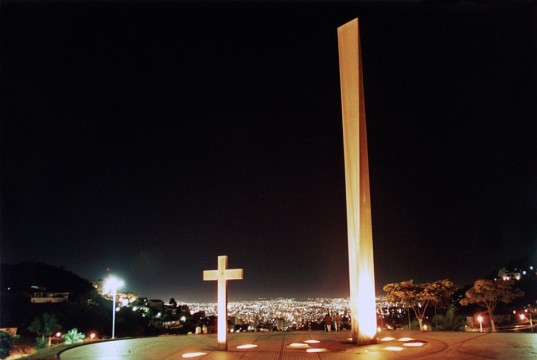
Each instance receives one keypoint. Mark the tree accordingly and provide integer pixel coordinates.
(6, 342)
(489, 293)
(418, 297)
(172, 302)
(45, 325)
(451, 320)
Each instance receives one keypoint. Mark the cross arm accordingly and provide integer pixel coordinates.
(233, 274)
(210, 275)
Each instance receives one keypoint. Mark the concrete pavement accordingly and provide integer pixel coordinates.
(316, 345)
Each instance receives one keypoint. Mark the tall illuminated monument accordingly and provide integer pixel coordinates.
(359, 227)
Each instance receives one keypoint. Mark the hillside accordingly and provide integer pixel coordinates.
(20, 278)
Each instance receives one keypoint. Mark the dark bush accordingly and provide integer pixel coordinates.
(6, 341)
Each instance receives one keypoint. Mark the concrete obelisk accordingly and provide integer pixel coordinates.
(359, 228)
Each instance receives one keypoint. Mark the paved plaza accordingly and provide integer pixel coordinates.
(315, 345)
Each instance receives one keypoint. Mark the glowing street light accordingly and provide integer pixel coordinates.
(111, 284)
(531, 320)
(480, 319)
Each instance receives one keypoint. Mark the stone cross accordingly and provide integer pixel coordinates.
(222, 275)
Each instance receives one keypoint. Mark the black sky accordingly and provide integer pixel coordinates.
(151, 137)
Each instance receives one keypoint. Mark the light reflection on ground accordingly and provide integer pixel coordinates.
(408, 342)
(193, 354)
(414, 344)
(275, 345)
(387, 338)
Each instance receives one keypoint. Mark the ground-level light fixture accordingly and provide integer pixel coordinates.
(393, 348)
(387, 338)
(193, 354)
(414, 344)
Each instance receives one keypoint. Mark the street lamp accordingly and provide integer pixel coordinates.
(531, 320)
(111, 285)
(480, 319)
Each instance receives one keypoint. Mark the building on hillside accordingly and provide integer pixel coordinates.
(506, 275)
(126, 298)
(98, 285)
(156, 304)
(42, 297)
(517, 273)
(123, 298)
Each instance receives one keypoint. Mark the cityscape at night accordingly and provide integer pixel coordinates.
(205, 168)
(135, 140)
(260, 314)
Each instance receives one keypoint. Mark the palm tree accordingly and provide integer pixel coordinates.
(45, 325)
(73, 337)
(451, 320)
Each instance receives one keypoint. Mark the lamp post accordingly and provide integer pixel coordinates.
(111, 285)
(531, 320)
(480, 319)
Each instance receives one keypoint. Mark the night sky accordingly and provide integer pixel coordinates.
(151, 137)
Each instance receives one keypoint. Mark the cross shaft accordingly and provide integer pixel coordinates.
(222, 275)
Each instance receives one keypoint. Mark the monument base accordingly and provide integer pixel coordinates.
(364, 342)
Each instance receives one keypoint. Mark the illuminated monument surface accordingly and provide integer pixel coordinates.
(359, 227)
(222, 275)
